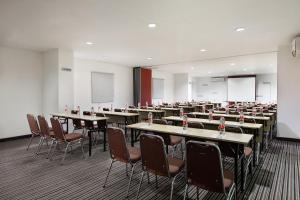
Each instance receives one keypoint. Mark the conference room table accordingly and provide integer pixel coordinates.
(237, 141)
(93, 118)
(187, 109)
(169, 111)
(126, 117)
(144, 112)
(249, 128)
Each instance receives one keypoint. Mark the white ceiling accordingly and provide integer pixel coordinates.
(121, 35)
(265, 63)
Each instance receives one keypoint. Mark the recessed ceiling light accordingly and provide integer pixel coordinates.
(149, 58)
(192, 68)
(209, 72)
(203, 50)
(89, 43)
(151, 25)
(232, 64)
(240, 29)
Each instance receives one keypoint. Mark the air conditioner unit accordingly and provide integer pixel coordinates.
(296, 46)
(217, 79)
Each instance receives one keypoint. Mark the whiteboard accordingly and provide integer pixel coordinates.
(241, 89)
(102, 87)
(158, 88)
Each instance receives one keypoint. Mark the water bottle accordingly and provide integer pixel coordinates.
(203, 108)
(78, 110)
(210, 115)
(242, 117)
(184, 122)
(222, 125)
(227, 110)
(139, 105)
(181, 112)
(150, 119)
(66, 109)
(254, 112)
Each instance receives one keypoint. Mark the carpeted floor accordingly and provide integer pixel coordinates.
(23, 176)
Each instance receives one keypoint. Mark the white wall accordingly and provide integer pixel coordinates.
(181, 87)
(266, 88)
(123, 83)
(203, 89)
(288, 93)
(168, 85)
(21, 89)
(50, 82)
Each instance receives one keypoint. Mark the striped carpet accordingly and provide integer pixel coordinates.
(22, 176)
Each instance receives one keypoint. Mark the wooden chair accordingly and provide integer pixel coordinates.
(213, 178)
(46, 133)
(156, 161)
(68, 139)
(77, 123)
(121, 152)
(34, 128)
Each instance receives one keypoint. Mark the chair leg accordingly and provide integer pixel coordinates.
(82, 149)
(172, 186)
(39, 145)
(53, 151)
(66, 150)
(131, 174)
(29, 142)
(186, 192)
(140, 184)
(50, 148)
(112, 161)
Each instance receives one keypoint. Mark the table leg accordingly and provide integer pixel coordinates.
(236, 158)
(242, 173)
(125, 129)
(132, 137)
(104, 139)
(90, 142)
(67, 120)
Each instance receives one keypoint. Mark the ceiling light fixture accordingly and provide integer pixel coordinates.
(149, 58)
(203, 50)
(151, 25)
(192, 68)
(89, 43)
(240, 29)
(232, 64)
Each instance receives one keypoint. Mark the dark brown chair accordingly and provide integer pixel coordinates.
(46, 133)
(118, 110)
(170, 140)
(249, 120)
(195, 125)
(105, 109)
(68, 139)
(213, 178)
(121, 152)
(156, 161)
(248, 152)
(34, 128)
(131, 106)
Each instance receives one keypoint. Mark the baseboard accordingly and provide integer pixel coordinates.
(288, 139)
(14, 138)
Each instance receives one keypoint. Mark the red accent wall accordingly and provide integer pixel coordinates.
(146, 86)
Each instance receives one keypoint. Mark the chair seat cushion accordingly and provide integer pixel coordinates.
(175, 140)
(134, 153)
(175, 165)
(73, 136)
(247, 151)
(228, 179)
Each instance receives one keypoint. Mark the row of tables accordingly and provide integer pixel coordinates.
(238, 141)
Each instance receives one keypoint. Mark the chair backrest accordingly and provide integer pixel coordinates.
(105, 109)
(45, 130)
(234, 129)
(200, 155)
(153, 153)
(57, 129)
(117, 145)
(195, 125)
(250, 120)
(118, 110)
(131, 106)
(190, 115)
(100, 114)
(133, 111)
(160, 121)
(33, 124)
(74, 112)
(86, 113)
